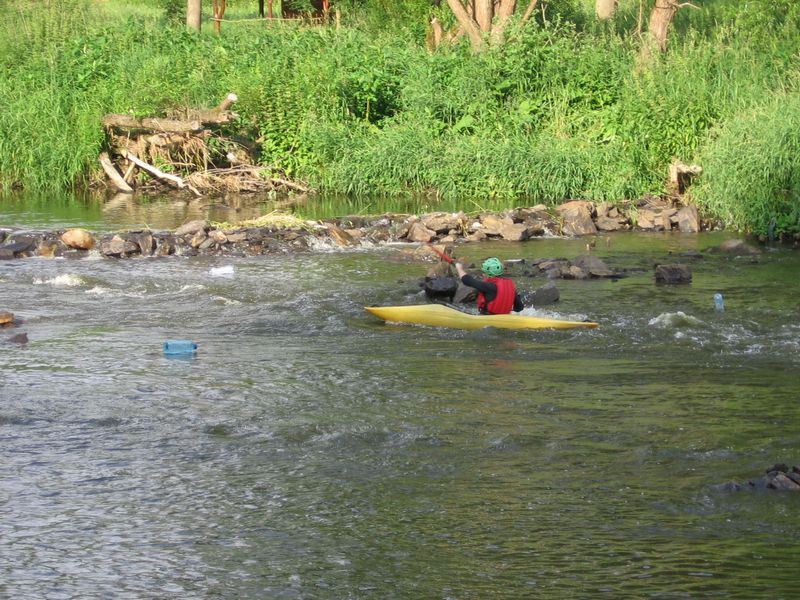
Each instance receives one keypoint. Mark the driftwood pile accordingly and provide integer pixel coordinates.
(176, 151)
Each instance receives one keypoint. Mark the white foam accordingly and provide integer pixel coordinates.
(98, 291)
(225, 271)
(66, 280)
(676, 319)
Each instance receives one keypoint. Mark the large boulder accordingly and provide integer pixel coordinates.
(440, 287)
(118, 246)
(607, 223)
(440, 222)
(575, 272)
(673, 274)
(688, 220)
(515, 232)
(419, 233)
(80, 239)
(492, 224)
(465, 294)
(166, 245)
(593, 265)
(144, 240)
(19, 245)
(542, 296)
(577, 218)
(340, 236)
(192, 227)
(440, 269)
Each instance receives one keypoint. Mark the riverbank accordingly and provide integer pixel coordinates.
(371, 110)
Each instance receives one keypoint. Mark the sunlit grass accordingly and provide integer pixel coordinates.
(366, 110)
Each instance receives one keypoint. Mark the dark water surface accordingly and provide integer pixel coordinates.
(311, 451)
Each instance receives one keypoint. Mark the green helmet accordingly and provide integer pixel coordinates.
(492, 267)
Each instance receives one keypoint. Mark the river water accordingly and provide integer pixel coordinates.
(309, 450)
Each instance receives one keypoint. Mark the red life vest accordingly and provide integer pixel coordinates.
(504, 302)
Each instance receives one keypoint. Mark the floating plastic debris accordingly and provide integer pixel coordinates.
(719, 303)
(173, 347)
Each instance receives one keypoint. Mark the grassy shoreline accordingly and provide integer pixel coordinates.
(560, 112)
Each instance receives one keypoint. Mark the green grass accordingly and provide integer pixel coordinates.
(559, 112)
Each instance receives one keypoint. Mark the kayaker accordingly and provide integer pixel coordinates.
(496, 295)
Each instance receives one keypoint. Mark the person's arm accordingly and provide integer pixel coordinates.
(460, 270)
(489, 290)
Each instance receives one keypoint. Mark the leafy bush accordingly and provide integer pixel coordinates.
(752, 168)
(558, 112)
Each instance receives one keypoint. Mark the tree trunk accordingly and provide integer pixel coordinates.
(436, 34)
(467, 23)
(477, 18)
(660, 19)
(219, 13)
(605, 9)
(484, 14)
(194, 13)
(503, 11)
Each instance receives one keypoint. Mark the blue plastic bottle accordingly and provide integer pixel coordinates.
(719, 302)
(179, 347)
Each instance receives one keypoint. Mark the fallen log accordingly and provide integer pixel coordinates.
(217, 115)
(159, 174)
(289, 184)
(227, 102)
(117, 179)
(118, 121)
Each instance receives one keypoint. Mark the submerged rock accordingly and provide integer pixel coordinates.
(465, 294)
(593, 265)
(779, 477)
(673, 274)
(20, 338)
(547, 294)
(736, 248)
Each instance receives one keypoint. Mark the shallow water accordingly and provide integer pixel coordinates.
(310, 451)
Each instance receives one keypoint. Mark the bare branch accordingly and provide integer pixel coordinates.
(529, 11)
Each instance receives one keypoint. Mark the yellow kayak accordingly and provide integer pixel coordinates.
(439, 315)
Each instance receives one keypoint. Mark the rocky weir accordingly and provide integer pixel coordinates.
(283, 233)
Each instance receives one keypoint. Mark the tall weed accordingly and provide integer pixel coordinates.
(751, 175)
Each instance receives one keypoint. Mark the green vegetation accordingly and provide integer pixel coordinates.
(562, 110)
